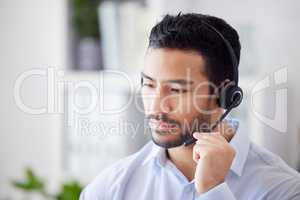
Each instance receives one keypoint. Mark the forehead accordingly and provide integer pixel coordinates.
(165, 64)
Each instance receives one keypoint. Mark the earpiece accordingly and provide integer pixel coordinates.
(230, 96)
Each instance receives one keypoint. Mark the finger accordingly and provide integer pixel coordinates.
(216, 135)
(213, 138)
(200, 150)
(208, 141)
(220, 137)
(196, 152)
(196, 156)
(199, 135)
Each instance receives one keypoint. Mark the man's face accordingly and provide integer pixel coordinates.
(175, 94)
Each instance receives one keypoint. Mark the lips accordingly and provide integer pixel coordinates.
(162, 126)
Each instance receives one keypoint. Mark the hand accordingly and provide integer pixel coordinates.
(214, 156)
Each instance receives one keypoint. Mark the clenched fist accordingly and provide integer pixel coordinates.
(214, 156)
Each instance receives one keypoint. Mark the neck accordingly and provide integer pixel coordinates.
(182, 157)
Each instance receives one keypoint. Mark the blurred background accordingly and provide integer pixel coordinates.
(70, 68)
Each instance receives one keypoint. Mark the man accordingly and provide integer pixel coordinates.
(186, 64)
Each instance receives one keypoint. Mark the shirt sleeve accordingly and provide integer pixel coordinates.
(93, 191)
(82, 196)
(221, 191)
(286, 190)
(97, 190)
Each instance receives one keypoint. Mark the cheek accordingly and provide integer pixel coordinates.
(146, 101)
(186, 118)
(201, 105)
(191, 109)
(189, 104)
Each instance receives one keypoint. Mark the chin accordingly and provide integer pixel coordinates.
(166, 140)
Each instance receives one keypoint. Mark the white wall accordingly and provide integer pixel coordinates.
(32, 35)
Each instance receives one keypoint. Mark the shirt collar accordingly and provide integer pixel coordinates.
(239, 142)
(157, 153)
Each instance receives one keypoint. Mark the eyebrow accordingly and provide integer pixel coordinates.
(178, 81)
(146, 76)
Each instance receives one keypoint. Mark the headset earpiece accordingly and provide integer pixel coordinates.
(236, 97)
(230, 96)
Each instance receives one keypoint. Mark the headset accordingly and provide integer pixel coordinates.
(230, 94)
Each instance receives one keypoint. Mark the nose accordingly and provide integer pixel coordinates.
(160, 103)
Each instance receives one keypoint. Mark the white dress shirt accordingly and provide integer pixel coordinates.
(255, 174)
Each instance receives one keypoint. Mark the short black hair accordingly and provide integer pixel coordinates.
(190, 32)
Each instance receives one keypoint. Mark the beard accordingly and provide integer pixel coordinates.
(181, 132)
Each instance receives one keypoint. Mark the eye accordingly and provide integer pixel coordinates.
(177, 90)
(150, 85)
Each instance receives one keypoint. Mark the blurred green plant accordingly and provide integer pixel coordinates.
(85, 18)
(69, 190)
